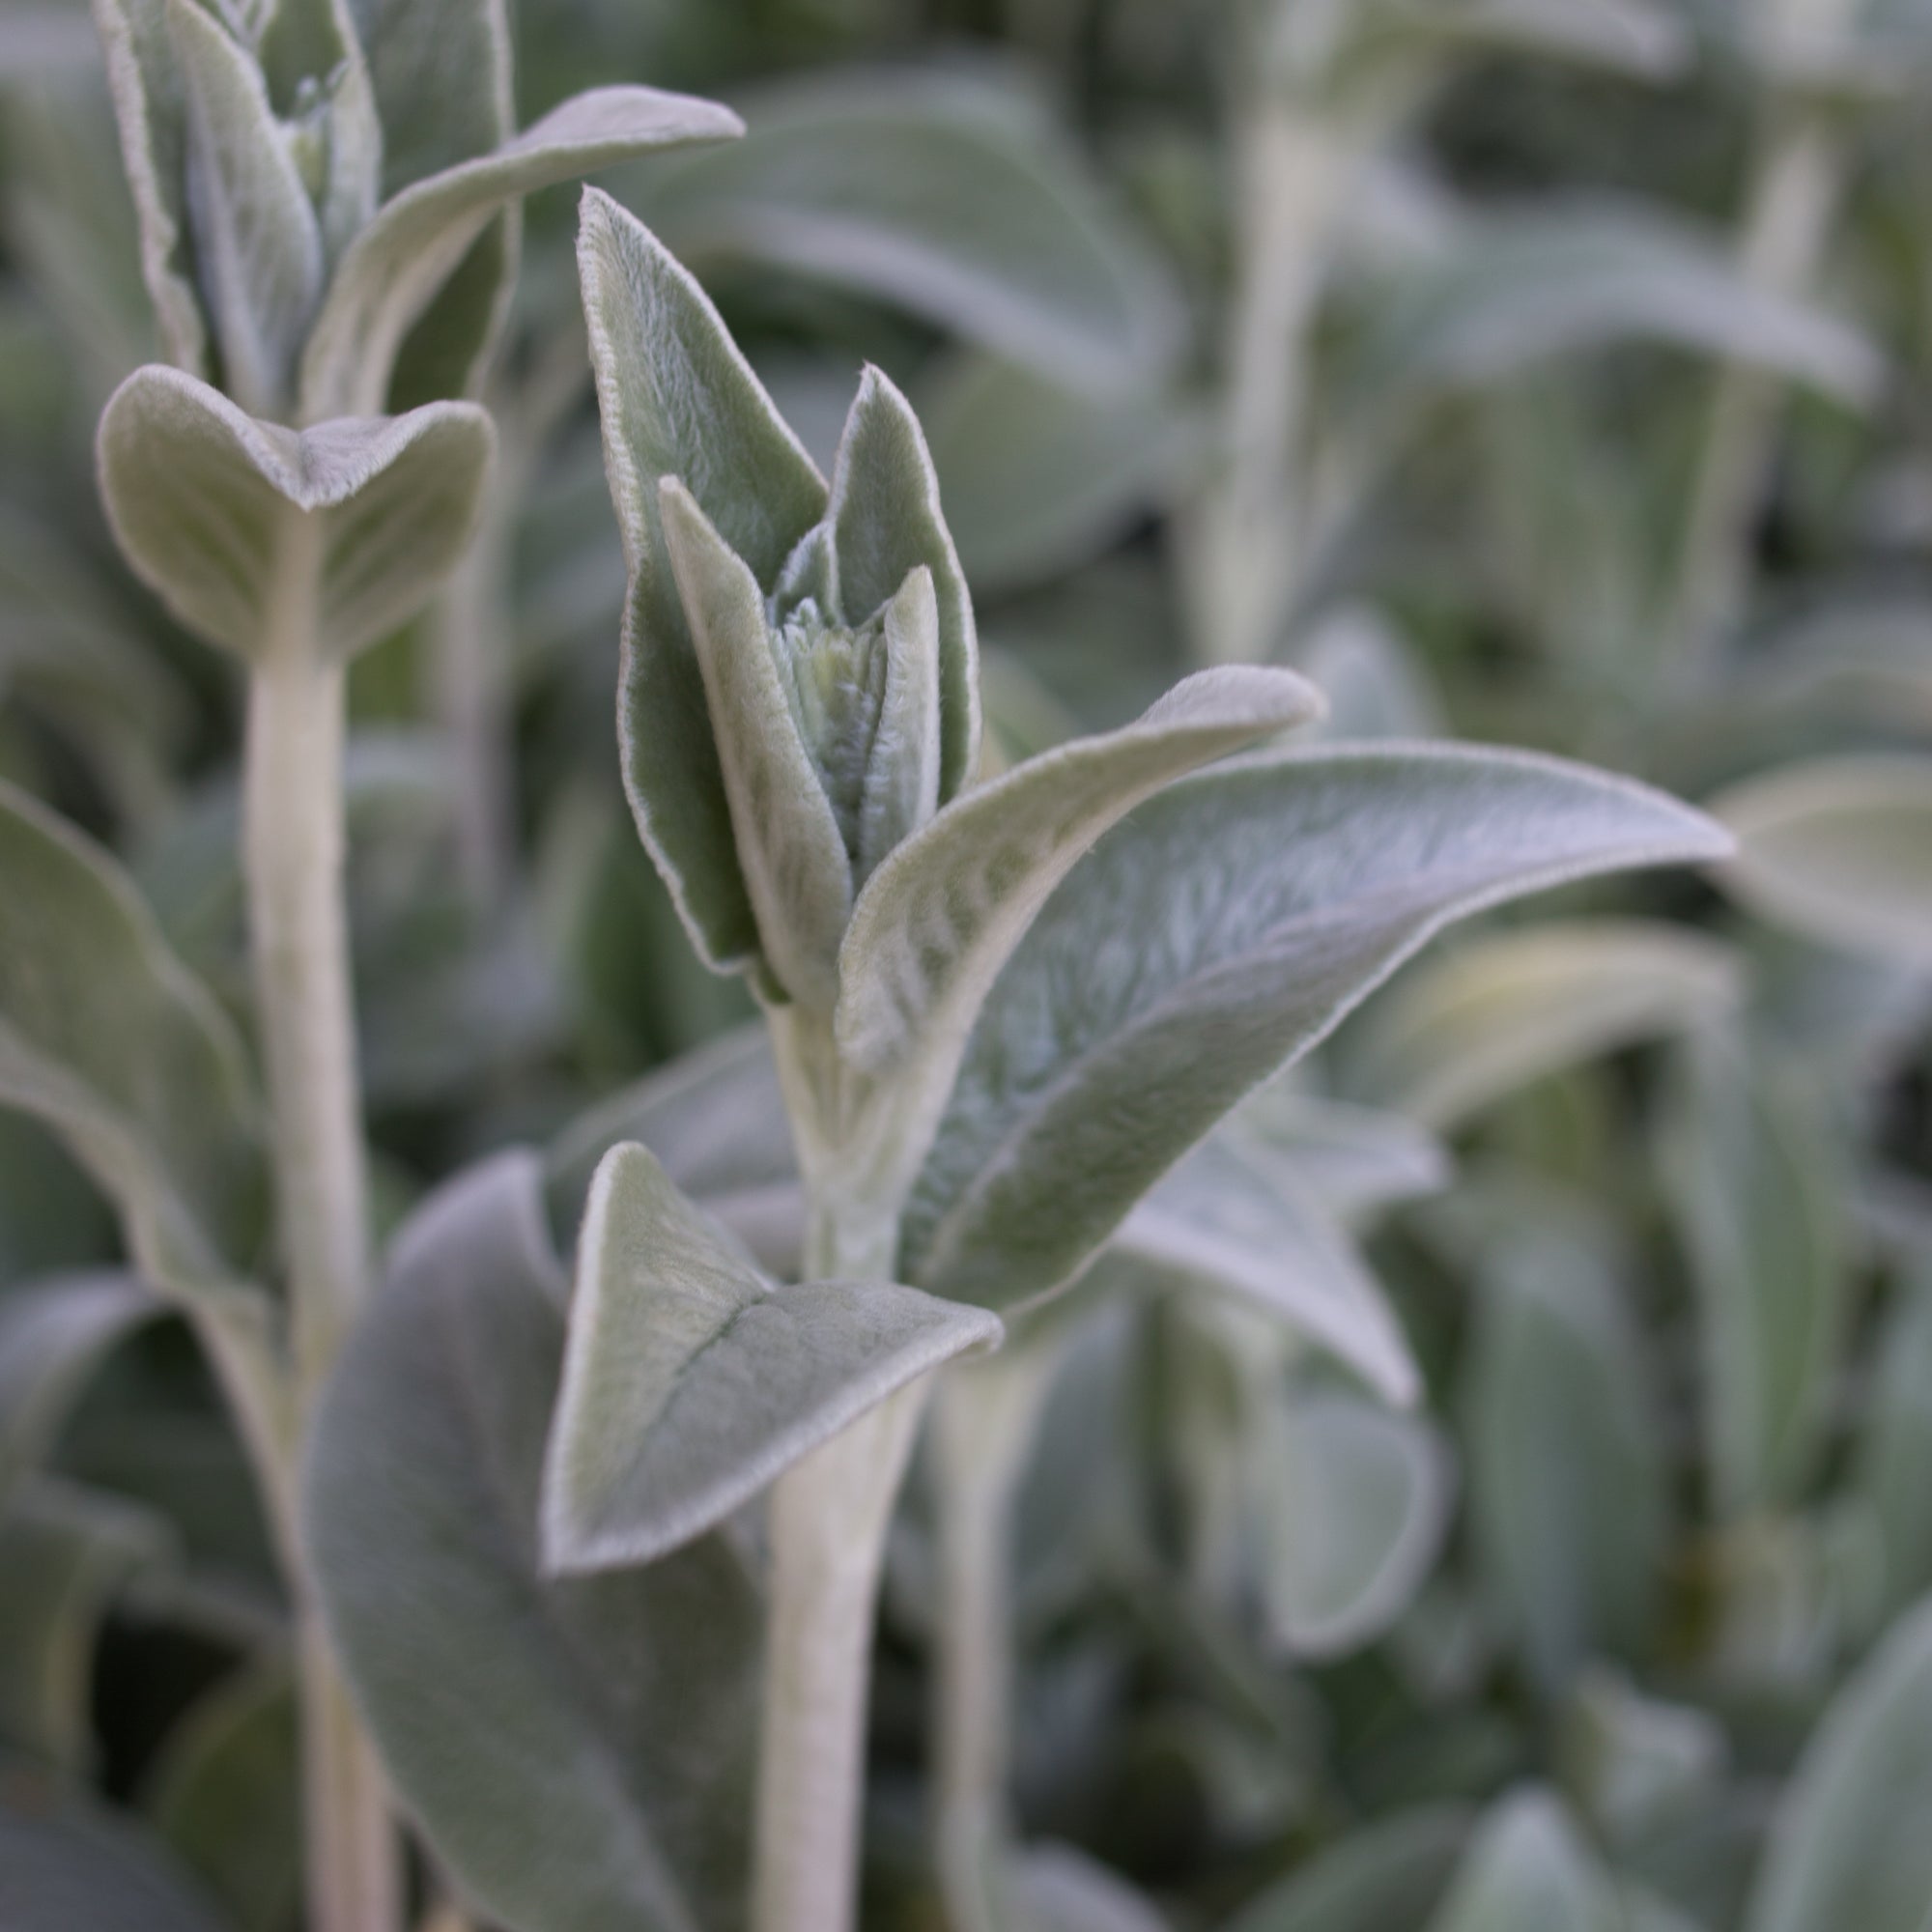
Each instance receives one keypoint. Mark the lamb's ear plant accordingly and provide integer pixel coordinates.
(999, 1010)
(324, 202)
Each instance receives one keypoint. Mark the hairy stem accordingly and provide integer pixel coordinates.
(294, 858)
(984, 1421)
(828, 1516)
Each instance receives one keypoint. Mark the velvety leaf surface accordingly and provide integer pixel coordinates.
(945, 196)
(678, 399)
(1565, 1479)
(942, 916)
(399, 262)
(1849, 1845)
(203, 498)
(1382, 1878)
(1527, 1870)
(1250, 1225)
(1363, 1505)
(66, 1863)
(105, 1038)
(1754, 1175)
(689, 1383)
(572, 1750)
(1839, 850)
(1503, 1011)
(53, 1334)
(1221, 931)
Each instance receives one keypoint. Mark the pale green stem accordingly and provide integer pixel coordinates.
(293, 841)
(1796, 191)
(985, 1418)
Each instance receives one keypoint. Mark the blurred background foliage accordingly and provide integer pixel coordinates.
(1548, 372)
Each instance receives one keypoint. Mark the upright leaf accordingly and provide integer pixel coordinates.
(679, 400)
(1752, 1173)
(1849, 1845)
(1215, 936)
(689, 1383)
(206, 503)
(572, 1750)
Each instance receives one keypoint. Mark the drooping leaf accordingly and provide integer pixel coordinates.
(105, 1037)
(940, 918)
(678, 399)
(66, 1554)
(1039, 475)
(1527, 1870)
(1361, 1507)
(571, 1749)
(689, 1383)
(1505, 1010)
(1518, 288)
(1565, 1479)
(1849, 1845)
(1252, 909)
(258, 249)
(886, 524)
(398, 262)
(226, 1796)
(66, 1862)
(1384, 1877)
(1839, 850)
(1250, 1225)
(1753, 1171)
(205, 501)
(53, 1333)
(1353, 1159)
(936, 194)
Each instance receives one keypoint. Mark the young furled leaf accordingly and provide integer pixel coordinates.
(691, 1381)
(206, 501)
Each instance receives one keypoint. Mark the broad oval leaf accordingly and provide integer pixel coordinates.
(1521, 287)
(1849, 1846)
(1839, 850)
(1384, 1877)
(944, 197)
(689, 1383)
(395, 267)
(1220, 932)
(205, 501)
(1566, 1487)
(1508, 1010)
(1249, 1225)
(571, 1749)
(53, 1334)
(1752, 1173)
(66, 1862)
(1527, 1870)
(678, 399)
(940, 918)
(1358, 1517)
(107, 1037)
